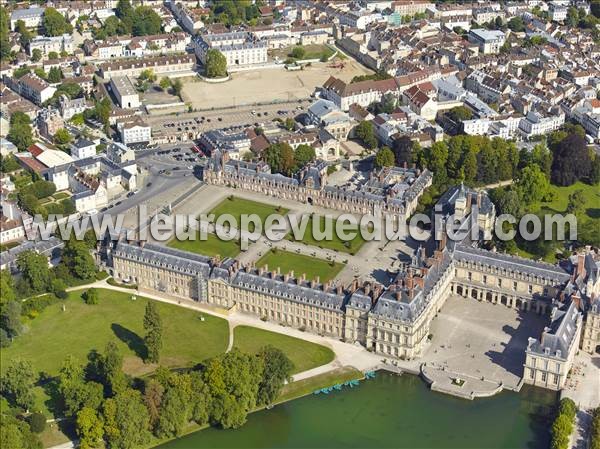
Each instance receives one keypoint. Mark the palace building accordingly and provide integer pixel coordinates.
(393, 191)
(392, 320)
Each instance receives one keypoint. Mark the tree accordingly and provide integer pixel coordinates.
(153, 328)
(289, 124)
(62, 137)
(280, 157)
(112, 369)
(277, 370)
(533, 186)
(153, 393)
(303, 155)
(165, 83)
(77, 119)
(10, 318)
(460, 113)
(36, 55)
(571, 161)
(516, 24)
(145, 21)
(4, 33)
(403, 149)
(174, 412)
(595, 8)
(148, 75)
(26, 35)
(126, 420)
(52, 55)
(386, 105)
(75, 391)
(298, 52)
(90, 296)
(576, 203)
(507, 201)
(77, 258)
(216, 64)
(7, 287)
(16, 434)
(54, 75)
(233, 381)
(177, 86)
(102, 111)
(37, 422)
(572, 19)
(89, 427)
(366, 133)
(384, 158)
(34, 270)
(21, 135)
(55, 24)
(17, 384)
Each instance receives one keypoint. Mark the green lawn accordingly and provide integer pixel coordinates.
(238, 206)
(60, 195)
(300, 263)
(307, 386)
(304, 354)
(559, 204)
(54, 334)
(335, 244)
(312, 51)
(561, 200)
(211, 247)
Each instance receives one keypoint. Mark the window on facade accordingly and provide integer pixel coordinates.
(543, 376)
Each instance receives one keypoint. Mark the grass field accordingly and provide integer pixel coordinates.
(335, 244)
(307, 386)
(238, 206)
(304, 354)
(211, 247)
(54, 334)
(299, 263)
(561, 200)
(559, 204)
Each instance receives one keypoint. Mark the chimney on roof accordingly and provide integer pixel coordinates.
(303, 277)
(410, 281)
(581, 265)
(398, 295)
(479, 195)
(339, 290)
(278, 270)
(354, 285)
(317, 279)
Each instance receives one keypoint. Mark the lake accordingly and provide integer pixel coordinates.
(390, 412)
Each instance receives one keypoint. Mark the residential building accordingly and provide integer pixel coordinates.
(32, 17)
(134, 131)
(489, 41)
(172, 66)
(55, 44)
(83, 148)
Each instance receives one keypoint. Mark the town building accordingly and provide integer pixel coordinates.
(172, 66)
(241, 48)
(489, 41)
(55, 44)
(134, 131)
(125, 92)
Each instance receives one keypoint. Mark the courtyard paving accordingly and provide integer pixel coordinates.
(482, 340)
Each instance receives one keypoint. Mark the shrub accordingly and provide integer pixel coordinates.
(91, 296)
(567, 407)
(37, 422)
(595, 430)
(37, 304)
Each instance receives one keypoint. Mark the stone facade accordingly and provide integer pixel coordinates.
(392, 191)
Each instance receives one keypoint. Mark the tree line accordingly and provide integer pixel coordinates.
(42, 285)
(109, 407)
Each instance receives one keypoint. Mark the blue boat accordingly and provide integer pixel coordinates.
(337, 386)
(317, 392)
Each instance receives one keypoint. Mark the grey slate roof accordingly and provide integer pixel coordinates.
(558, 337)
(511, 263)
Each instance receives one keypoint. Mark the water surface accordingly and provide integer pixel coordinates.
(390, 412)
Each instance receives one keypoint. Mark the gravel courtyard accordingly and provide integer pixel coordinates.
(267, 85)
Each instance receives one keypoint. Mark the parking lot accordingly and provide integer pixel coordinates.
(482, 339)
(188, 126)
